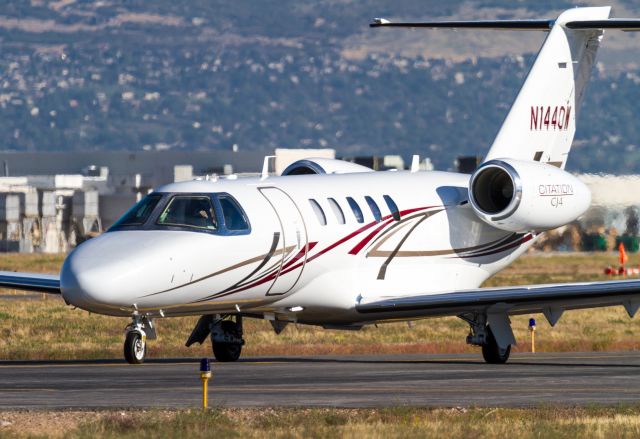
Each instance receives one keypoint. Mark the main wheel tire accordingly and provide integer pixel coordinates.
(491, 351)
(227, 352)
(135, 348)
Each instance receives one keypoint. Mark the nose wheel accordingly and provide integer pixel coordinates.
(135, 342)
(135, 348)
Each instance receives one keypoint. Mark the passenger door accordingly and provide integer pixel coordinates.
(293, 240)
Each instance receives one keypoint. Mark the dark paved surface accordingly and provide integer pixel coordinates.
(359, 381)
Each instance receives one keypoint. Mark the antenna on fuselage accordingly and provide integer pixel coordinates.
(415, 163)
(265, 166)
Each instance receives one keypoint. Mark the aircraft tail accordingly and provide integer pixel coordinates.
(542, 121)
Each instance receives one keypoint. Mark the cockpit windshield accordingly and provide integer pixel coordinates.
(139, 213)
(189, 211)
(216, 213)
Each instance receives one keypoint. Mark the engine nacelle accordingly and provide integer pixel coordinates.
(522, 196)
(323, 166)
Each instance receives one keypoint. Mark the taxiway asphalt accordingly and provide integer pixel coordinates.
(353, 381)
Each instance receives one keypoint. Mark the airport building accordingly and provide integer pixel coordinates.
(51, 201)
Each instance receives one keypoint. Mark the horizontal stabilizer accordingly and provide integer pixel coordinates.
(623, 24)
(478, 24)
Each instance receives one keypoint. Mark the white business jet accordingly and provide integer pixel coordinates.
(337, 245)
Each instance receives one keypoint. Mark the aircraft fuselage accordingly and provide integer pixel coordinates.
(315, 245)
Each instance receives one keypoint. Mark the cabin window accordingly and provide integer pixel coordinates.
(375, 210)
(189, 211)
(357, 212)
(337, 210)
(234, 219)
(393, 208)
(139, 214)
(322, 219)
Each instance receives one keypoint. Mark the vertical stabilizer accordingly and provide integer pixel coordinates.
(542, 121)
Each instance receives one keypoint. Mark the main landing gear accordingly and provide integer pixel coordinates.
(481, 334)
(136, 335)
(491, 352)
(225, 332)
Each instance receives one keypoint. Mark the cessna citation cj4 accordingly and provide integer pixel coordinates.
(337, 245)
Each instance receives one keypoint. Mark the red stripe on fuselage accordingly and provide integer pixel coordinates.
(359, 246)
(301, 254)
(292, 267)
(357, 232)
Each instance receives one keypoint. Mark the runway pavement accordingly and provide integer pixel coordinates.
(354, 381)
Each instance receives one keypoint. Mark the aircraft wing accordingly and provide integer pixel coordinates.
(550, 299)
(43, 283)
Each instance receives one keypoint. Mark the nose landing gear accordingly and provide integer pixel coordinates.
(135, 348)
(136, 335)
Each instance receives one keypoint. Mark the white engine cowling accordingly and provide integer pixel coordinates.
(323, 166)
(520, 196)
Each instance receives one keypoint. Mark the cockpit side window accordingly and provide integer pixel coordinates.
(234, 219)
(139, 214)
(189, 211)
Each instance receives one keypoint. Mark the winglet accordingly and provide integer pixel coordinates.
(379, 22)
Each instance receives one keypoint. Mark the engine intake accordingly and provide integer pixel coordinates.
(494, 189)
(522, 196)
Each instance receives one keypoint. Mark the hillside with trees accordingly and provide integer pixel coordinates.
(80, 75)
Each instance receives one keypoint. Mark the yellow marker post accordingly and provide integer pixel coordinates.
(532, 329)
(205, 374)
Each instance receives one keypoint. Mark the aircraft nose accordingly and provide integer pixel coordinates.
(87, 276)
(70, 285)
(113, 273)
(102, 274)
(121, 270)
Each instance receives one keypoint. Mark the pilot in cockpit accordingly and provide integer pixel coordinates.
(203, 214)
